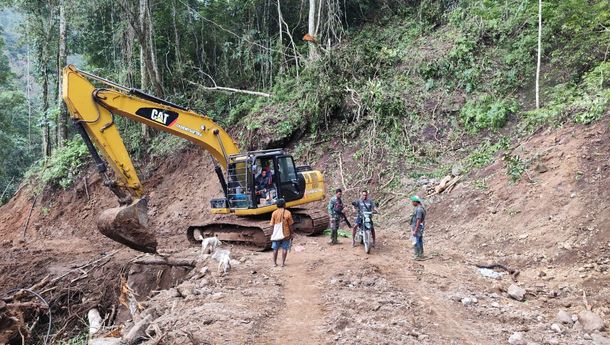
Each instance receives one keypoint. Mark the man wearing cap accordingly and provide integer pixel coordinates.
(418, 219)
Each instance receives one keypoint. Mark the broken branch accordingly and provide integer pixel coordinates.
(164, 261)
(230, 89)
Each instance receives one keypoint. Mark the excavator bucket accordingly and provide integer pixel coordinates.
(129, 225)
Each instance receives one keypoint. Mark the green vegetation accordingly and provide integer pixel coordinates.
(403, 82)
(486, 113)
(63, 166)
(485, 153)
(16, 150)
(80, 339)
(583, 102)
(515, 166)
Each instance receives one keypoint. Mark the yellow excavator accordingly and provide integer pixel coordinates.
(251, 181)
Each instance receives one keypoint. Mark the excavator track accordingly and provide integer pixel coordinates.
(310, 222)
(255, 232)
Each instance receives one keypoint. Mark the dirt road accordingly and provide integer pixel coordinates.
(338, 294)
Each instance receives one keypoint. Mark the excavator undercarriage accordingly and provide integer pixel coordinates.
(255, 232)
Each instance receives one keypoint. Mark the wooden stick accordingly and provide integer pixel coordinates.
(585, 301)
(92, 262)
(341, 173)
(26, 305)
(137, 332)
(41, 283)
(387, 183)
(86, 188)
(452, 184)
(6, 189)
(27, 222)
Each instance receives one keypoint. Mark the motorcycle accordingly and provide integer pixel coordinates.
(363, 234)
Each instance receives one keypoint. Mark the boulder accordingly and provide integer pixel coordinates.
(590, 321)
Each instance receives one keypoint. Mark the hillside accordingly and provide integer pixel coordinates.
(552, 228)
(403, 95)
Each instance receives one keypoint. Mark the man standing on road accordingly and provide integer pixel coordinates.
(364, 204)
(335, 211)
(284, 217)
(418, 221)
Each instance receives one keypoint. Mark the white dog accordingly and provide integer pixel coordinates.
(224, 259)
(211, 242)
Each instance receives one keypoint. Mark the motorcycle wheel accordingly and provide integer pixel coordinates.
(367, 241)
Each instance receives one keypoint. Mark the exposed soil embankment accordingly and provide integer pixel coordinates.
(551, 228)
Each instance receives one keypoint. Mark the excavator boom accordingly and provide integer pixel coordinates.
(93, 109)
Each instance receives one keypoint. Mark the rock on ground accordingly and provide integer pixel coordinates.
(517, 338)
(516, 292)
(556, 328)
(564, 317)
(590, 321)
(599, 339)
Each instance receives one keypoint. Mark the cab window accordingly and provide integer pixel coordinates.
(286, 168)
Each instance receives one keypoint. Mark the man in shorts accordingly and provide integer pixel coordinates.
(283, 216)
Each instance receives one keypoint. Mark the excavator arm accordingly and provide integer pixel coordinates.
(93, 109)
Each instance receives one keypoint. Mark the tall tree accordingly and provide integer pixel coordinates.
(312, 24)
(539, 54)
(62, 121)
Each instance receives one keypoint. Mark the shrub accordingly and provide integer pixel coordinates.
(64, 164)
(486, 113)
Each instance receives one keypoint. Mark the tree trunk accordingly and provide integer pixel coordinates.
(46, 131)
(128, 56)
(146, 131)
(155, 75)
(281, 37)
(313, 50)
(539, 54)
(147, 68)
(146, 42)
(62, 123)
(176, 37)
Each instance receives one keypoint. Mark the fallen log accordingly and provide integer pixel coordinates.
(159, 260)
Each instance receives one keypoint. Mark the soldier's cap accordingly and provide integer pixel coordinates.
(415, 198)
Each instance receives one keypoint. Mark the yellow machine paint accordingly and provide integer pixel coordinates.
(93, 110)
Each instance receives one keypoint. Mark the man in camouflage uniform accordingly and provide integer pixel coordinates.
(335, 210)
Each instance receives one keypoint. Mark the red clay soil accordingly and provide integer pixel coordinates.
(553, 226)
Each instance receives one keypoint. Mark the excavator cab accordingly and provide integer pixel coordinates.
(256, 179)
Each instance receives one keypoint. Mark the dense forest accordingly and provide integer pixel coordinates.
(393, 77)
